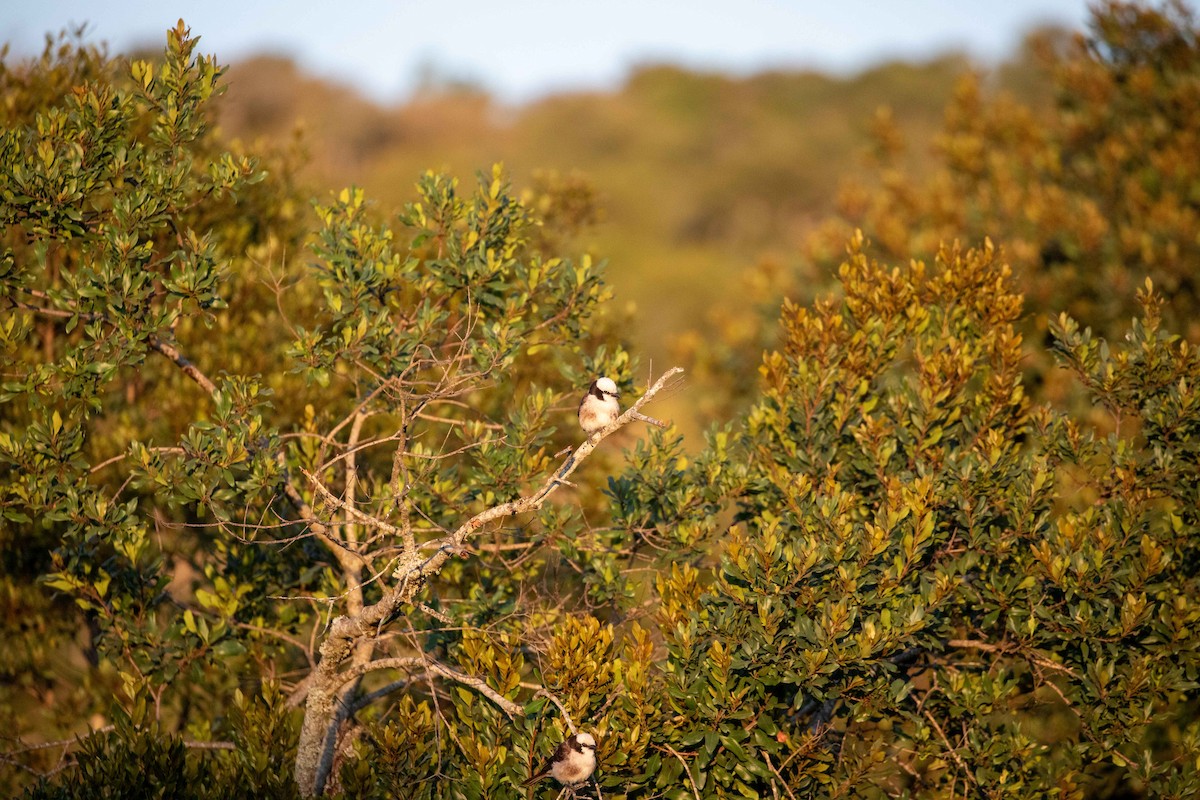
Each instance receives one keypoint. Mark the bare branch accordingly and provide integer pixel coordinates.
(409, 662)
(29, 748)
(339, 549)
(348, 633)
(1036, 658)
(306, 649)
(352, 477)
(120, 457)
(687, 770)
(950, 749)
(651, 420)
(181, 361)
(771, 766)
(210, 745)
(542, 691)
(454, 543)
(400, 478)
(349, 510)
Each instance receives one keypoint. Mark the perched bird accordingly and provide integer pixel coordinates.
(599, 406)
(575, 759)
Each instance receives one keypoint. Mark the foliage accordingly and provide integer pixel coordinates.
(200, 484)
(137, 759)
(932, 587)
(275, 528)
(1089, 195)
(1088, 182)
(700, 175)
(126, 228)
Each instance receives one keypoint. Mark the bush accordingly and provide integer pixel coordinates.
(932, 586)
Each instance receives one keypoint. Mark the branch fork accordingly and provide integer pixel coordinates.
(324, 712)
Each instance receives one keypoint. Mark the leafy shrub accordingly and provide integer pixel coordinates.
(932, 586)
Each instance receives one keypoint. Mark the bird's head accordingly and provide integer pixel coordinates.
(607, 386)
(585, 741)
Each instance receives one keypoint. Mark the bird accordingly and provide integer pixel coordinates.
(599, 406)
(573, 762)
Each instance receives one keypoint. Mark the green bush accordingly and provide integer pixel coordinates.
(933, 587)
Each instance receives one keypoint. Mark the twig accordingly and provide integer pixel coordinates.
(687, 770)
(478, 684)
(651, 420)
(542, 691)
(121, 456)
(453, 543)
(782, 782)
(988, 647)
(347, 632)
(339, 549)
(967, 774)
(350, 510)
(210, 745)
(29, 748)
(181, 361)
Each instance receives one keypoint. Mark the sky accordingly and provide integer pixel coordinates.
(520, 50)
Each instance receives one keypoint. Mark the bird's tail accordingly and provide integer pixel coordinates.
(534, 779)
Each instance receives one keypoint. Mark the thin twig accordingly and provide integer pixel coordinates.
(181, 361)
(967, 774)
(687, 770)
(29, 748)
(782, 782)
(210, 745)
(408, 662)
(121, 456)
(542, 691)
(346, 633)
(988, 647)
(350, 511)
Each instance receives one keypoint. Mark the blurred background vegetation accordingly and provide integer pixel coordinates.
(700, 189)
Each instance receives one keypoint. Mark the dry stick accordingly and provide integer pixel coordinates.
(687, 770)
(189, 369)
(967, 774)
(553, 698)
(478, 684)
(314, 757)
(782, 782)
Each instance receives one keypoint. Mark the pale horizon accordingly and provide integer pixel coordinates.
(526, 49)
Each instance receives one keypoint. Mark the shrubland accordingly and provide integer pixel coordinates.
(293, 502)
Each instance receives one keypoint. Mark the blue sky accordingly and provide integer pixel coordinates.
(520, 49)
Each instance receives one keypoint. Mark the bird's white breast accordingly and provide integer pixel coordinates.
(575, 767)
(595, 413)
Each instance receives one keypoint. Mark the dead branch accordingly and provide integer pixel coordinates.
(409, 662)
(346, 633)
(181, 361)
